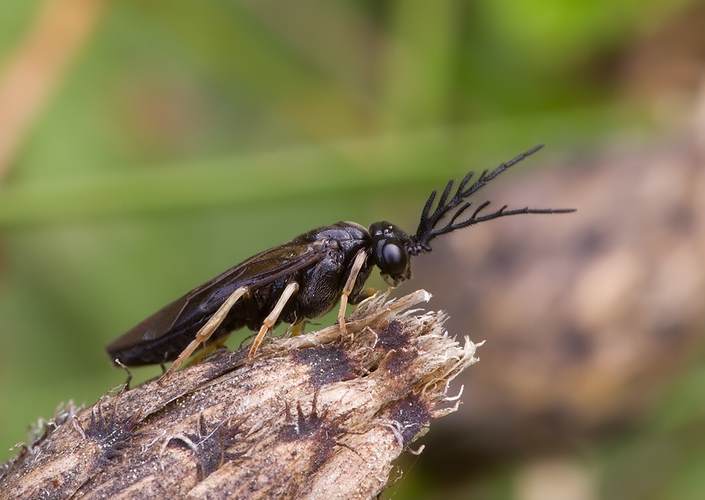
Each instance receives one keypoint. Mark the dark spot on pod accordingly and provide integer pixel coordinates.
(315, 428)
(399, 360)
(391, 336)
(411, 414)
(299, 427)
(211, 443)
(110, 433)
(327, 364)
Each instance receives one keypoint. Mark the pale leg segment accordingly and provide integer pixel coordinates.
(207, 330)
(273, 316)
(359, 261)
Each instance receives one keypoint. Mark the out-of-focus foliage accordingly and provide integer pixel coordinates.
(182, 137)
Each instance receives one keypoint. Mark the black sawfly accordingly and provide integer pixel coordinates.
(304, 278)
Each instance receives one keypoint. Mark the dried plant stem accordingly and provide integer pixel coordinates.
(314, 416)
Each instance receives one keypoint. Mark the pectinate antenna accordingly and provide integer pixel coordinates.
(452, 210)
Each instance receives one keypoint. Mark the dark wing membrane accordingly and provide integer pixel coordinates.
(259, 270)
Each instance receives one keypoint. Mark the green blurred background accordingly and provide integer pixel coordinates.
(176, 138)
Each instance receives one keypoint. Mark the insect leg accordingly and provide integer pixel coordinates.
(207, 330)
(271, 319)
(349, 285)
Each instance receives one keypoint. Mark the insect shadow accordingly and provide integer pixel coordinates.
(304, 278)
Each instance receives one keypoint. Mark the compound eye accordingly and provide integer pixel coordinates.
(395, 260)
